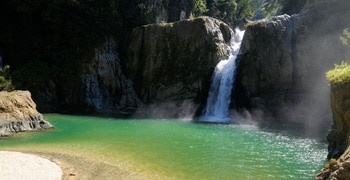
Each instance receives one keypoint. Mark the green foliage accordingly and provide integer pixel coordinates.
(5, 79)
(340, 74)
(231, 11)
(226, 10)
(345, 38)
(199, 7)
(266, 8)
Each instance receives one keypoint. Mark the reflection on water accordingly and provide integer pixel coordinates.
(181, 150)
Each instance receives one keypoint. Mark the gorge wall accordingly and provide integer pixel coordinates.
(105, 87)
(283, 59)
(283, 63)
(168, 64)
(18, 113)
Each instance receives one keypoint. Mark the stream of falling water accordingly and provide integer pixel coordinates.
(219, 97)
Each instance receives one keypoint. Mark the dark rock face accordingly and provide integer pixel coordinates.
(174, 61)
(168, 63)
(266, 62)
(18, 113)
(340, 131)
(105, 87)
(282, 67)
(266, 70)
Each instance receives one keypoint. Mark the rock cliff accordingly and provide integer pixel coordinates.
(18, 113)
(338, 137)
(340, 131)
(281, 69)
(105, 87)
(174, 61)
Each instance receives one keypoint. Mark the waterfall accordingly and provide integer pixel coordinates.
(219, 97)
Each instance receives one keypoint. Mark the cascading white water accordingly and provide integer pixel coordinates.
(219, 97)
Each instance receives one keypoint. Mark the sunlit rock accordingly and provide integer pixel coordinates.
(336, 169)
(18, 113)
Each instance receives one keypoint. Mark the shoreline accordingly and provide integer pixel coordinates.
(72, 167)
(18, 165)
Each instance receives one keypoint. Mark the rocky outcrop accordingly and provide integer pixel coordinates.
(266, 65)
(283, 62)
(105, 86)
(174, 61)
(18, 113)
(339, 134)
(336, 169)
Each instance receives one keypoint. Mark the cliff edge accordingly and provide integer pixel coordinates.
(18, 113)
(338, 136)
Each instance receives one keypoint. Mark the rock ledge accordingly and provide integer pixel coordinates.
(18, 114)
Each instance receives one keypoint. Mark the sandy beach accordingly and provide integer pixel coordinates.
(16, 165)
(42, 165)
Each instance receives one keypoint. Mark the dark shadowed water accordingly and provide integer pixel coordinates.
(175, 149)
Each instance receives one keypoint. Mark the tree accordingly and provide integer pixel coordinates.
(199, 7)
(266, 8)
(223, 9)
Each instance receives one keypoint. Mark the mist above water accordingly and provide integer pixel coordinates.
(219, 97)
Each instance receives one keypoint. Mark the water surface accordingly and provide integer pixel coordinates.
(175, 149)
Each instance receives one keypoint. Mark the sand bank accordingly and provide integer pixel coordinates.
(16, 165)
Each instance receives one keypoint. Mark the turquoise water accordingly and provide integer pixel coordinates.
(175, 149)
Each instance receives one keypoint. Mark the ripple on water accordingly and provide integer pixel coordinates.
(184, 150)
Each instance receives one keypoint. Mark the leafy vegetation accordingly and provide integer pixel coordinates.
(231, 11)
(5, 79)
(346, 37)
(341, 73)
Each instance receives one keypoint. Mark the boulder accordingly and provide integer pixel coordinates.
(18, 113)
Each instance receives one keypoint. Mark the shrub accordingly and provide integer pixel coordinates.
(5, 79)
(340, 74)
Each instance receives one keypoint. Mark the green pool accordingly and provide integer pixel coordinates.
(175, 149)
